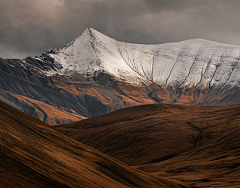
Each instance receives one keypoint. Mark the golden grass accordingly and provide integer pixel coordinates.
(198, 145)
(34, 155)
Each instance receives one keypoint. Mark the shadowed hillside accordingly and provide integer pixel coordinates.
(197, 145)
(34, 155)
(95, 74)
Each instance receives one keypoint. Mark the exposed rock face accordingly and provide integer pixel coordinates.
(95, 74)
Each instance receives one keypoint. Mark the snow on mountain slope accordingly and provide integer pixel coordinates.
(91, 52)
(78, 55)
(192, 62)
(195, 62)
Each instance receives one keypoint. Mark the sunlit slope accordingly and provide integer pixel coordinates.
(34, 155)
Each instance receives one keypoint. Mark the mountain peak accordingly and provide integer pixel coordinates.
(90, 33)
(91, 52)
(195, 71)
(196, 62)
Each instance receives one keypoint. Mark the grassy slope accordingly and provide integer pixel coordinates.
(198, 145)
(34, 155)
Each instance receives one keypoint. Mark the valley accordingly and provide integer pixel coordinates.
(117, 114)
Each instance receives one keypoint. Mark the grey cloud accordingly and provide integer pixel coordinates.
(29, 27)
(168, 4)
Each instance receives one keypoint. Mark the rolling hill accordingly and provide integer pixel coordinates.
(198, 145)
(32, 154)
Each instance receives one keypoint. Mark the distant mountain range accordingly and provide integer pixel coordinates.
(95, 74)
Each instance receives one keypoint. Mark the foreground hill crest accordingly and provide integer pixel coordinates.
(34, 155)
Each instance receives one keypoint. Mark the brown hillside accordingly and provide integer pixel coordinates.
(198, 145)
(34, 155)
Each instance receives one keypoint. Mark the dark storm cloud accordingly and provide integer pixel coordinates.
(29, 27)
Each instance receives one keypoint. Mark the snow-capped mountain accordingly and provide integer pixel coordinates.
(193, 62)
(92, 52)
(95, 74)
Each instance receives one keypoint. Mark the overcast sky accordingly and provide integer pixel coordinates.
(30, 27)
